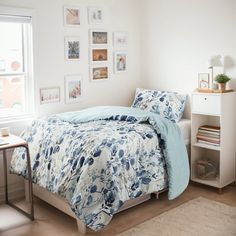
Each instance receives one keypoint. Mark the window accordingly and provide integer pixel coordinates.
(16, 83)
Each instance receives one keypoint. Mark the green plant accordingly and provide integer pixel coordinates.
(222, 78)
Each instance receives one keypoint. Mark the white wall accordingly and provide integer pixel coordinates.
(179, 38)
(50, 66)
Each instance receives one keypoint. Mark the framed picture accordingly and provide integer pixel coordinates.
(203, 81)
(99, 73)
(120, 39)
(99, 38)
(72, 48)
(95, 15)
(73, 88)
(71, 16)
(120, 62)
(99, 54)
(49, 95)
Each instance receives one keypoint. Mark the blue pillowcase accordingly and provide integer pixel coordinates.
(169, 105)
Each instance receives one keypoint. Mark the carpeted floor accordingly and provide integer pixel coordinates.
(196, 217)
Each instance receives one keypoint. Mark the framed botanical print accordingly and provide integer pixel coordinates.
(203, 81)
(99, 73)
(49, 95)
(99, 38)
(95, 15)
(72, 48)
(120, 62)
(73, 88)
(71, 16)
(99, 55)
(120, 39)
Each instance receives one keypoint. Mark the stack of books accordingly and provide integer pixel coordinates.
(208, 134)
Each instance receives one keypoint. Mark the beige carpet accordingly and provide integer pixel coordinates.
(196, 217)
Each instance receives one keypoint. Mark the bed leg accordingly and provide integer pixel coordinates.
(81, 227)
(26, 191)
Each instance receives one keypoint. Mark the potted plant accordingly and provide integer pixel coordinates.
(222, 79)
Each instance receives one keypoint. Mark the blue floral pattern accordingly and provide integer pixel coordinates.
(167, 104)
(96, 166)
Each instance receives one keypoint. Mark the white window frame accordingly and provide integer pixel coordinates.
(28, 61)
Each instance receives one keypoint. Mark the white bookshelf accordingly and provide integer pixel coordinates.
(218, 110)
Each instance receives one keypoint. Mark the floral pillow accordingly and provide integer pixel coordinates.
(169, 105)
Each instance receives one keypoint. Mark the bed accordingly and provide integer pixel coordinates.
(94, 163)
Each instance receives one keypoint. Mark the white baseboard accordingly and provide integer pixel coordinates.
(15, 191)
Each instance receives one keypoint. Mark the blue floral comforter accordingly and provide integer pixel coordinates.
(98, 158)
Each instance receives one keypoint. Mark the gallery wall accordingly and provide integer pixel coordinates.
(180, 36)
(50, 66)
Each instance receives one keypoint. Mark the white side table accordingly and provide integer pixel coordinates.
(17, 142)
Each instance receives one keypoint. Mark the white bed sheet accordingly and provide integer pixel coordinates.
(185, 127)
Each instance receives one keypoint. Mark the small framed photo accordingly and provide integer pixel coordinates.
(99, 38)
(99, 73)
(73, 88)
(120, 39)
(72, 48)
(71, 16)
(99, 54)
(95, 15)
(203, 81)
(120, 62)
(49, 95)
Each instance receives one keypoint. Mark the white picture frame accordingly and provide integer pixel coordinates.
(49, 95)
(72, 16)
(99, 55)
(95, 15)
(99, 72)
(99, 38)
(73, 88)
(72, 48)
(120, 39)
(120, 62)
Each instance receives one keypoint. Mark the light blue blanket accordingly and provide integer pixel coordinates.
(175, 152)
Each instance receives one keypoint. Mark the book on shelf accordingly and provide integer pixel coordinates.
(208, 138)
(208, 132)
(209, 143)
(210, 128)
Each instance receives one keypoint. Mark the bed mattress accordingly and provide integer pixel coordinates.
(185, 127)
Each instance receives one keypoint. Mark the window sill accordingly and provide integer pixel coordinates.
(16, 125)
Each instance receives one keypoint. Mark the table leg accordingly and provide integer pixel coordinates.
(31, 198)
(5, 175)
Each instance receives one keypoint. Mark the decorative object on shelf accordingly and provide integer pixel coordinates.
(73, 88)
(206, 170)
(71, 16)
(99, 38)
(99, 55)
(72, 48)
(120, 39)
(222, 79)
(120, 62)
(49, 95)
(209, 134)
(95, 15)
(5, 131)
(216, 65)
(99, 73)
(203, 81)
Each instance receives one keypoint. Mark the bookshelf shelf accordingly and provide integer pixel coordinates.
(207, 146)
(213, 183)
(214, 110)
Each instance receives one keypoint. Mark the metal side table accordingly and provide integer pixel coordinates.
(12, 142)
